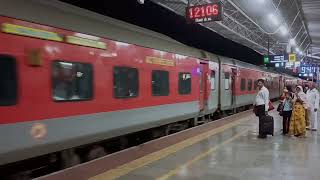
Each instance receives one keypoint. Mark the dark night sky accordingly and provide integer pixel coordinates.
(159, 19)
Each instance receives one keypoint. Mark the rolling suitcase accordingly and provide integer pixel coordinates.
(267, 125)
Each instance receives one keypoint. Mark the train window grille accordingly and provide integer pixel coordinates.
(226, 81)
(72, 81)
(212, 80)
(243, 84)
(249, 84)
(125, 82)
(160, 83)
(184, 83)
(8, 81)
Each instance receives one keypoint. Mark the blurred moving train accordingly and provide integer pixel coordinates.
(65, 96)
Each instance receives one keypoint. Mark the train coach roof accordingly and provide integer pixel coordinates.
(234, 62)
(251, 66)
(61, 15)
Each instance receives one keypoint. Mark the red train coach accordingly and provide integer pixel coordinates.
(62, 90)
(240, 79)
(57, 81)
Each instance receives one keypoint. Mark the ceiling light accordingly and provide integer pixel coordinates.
(297, 49)
(273, 19)
(140, 1)
(283, 30)
(292, 42)
(300, 53)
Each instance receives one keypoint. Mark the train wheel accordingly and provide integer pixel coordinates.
(168, 129)
(158, 132)
(69, 158)
(96, 152)
(124, 142)
(193, 122)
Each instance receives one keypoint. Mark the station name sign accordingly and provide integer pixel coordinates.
(204, 13)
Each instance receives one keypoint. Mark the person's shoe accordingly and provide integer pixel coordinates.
(302, 136)
(262, 136)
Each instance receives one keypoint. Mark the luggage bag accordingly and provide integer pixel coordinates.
(267, 125)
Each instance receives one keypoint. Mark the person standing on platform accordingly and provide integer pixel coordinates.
(261, 105)
(306, 88)
(297, 125)
(286, 112)
(313, 106)
(306, 107)
(283, 95)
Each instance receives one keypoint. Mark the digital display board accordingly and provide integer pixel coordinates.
(282, 65)
(278, 58)
(204, 13)
(308, 69)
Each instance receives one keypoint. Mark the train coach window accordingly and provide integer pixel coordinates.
(226, 81)
(243, 84)
(249, 84)
(184, 83)
(160, 83)
(72, 81)
(125, 82)
(8, 81)
(212, 80)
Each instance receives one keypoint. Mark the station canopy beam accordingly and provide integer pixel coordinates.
(254, 23)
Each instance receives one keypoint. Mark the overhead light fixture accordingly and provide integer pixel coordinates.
(292, 42)
(300, 53)
(273, 19)
(283, 30)
(140, 1)
(297, 49)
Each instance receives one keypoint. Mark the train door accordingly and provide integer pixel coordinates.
(225, 97)
(233, 86)
(203, 85)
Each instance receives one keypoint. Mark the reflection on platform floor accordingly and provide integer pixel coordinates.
(237, 154)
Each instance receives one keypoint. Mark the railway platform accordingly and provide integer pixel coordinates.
(226, 149)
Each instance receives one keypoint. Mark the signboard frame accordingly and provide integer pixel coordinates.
(204, 13)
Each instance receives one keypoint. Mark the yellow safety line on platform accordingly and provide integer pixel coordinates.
(145, 160)
(200, 156)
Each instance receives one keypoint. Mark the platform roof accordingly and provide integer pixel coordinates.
(253, 22)
(311, 9)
